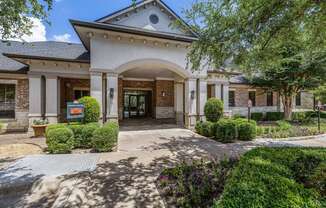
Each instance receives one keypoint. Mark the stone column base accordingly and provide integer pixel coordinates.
(179, 117)
(53, 119)
(190, 121)
(112, 118)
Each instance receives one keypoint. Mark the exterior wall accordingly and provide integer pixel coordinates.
(307, 101)
(164, 104)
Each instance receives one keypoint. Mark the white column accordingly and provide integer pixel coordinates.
(51, 101)
(35, 96)
(202, 98)
(97, 88)
(190, 103)
(226, 98)
(112, 97)
(178, 103)
(217, 91)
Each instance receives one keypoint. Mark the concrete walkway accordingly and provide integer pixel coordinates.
(127, 178)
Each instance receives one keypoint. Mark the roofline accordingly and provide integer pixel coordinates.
(223, 72)
(133, 30)
(144, 2)
(22, 70)
(10, 55)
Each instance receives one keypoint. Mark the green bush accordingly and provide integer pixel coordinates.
(235, 116)
(318, 179)
(105, 138)
(257, 116)
(247, 131)
(274, 116)
(226, 130)
(283, 125)
(299, 116)
(264, 177)
(92, 109)
(54, 126)
(205, 128)
(60, 140)
(83, 134)
(213, 109)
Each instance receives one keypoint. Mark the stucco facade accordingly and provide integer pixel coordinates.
(135, 64)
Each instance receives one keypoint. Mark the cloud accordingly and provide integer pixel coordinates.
(62, 38)
(38, 32)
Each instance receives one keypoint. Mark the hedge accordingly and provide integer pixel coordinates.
(213, 109)
(92, 109)
(105, 138)
(83, 134)
(226, 130)
(276, 177)
(205, 128)
(274, 116)
(246, 131)
(60, 140)
(54, 126)
(257, 116)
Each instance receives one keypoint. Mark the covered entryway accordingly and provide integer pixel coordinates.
(137, 104)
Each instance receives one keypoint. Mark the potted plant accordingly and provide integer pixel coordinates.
(39, 127)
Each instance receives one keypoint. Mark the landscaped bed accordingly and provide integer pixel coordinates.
(264, 177)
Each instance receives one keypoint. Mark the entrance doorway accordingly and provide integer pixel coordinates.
(137, 104)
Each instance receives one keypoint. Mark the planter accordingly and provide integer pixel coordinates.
(39, 130)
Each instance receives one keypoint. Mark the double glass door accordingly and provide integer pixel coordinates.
(136, 104)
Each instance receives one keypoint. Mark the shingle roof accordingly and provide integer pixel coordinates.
(239, 79)
(40, 50)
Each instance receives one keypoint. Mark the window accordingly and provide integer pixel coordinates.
(232, 98)
(154, 19)
(298, 99)
(269, 98)
(7, 100)
(79, 93)
(252, 97)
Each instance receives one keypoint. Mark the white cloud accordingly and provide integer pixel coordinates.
(62, 38)
(38, 32)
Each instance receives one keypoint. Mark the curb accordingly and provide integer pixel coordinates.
(290, 138)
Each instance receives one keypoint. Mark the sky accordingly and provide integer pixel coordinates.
(60, 29)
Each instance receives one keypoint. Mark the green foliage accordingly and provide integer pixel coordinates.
(194, 185)
(213, 109)
(318, 179)
(247, 131)
(105, 138)
(299, 117)
(320, 93)
(274, 116)
(83, 134)
(60, 140)
(1, 125)
(205, 128)
(54, 126)
(283, 125)
(235, 116)
(15, 18)
(92, 109)
(226, 130)
(268, 177)
(257, 116)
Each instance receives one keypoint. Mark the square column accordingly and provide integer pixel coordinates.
(226, 89)
(97, 89)
(190, 103)
(201, 98)
(178, 103)
(112, 97)
(35, 100)
(217, 91)
(51, 101)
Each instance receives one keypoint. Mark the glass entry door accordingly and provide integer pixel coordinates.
(136, 104)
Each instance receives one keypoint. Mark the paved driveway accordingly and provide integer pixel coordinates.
(126, 178)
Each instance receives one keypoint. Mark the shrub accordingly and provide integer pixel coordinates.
(283, 125)
(92, 109)
(318, 179)
(83, 134)
(247, 131)
(235, 116)
(274, 116)
(257, 116)
(264, 178)
(54, 126)
(60, 140)
(299, 116)
(226, 130)
(105, 138)
(205, 128)
(213, 109)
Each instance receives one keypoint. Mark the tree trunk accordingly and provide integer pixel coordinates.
(287, 106)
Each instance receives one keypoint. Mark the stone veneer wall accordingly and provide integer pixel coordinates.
(164, 104)
(22, 105)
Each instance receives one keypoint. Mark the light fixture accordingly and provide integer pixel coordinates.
(111, 93)
(163, 93)
(192, 94)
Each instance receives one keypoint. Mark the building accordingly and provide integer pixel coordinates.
(132, 61)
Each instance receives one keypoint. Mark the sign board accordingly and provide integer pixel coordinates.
(75, 111)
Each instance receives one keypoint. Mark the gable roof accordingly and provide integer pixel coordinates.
(47, 50)
(145, 2)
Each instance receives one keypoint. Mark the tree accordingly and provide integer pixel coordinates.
(14, 16)
(279, 44)
(320, 93)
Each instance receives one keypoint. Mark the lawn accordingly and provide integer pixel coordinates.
(264, 177)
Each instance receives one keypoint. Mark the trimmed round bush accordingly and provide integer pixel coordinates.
(92, 109)
(54, 126)
(204, 128)
(105, 138)
(213, 109)
(226, 130)
(83, 134)
(60, 140)
(247, 131)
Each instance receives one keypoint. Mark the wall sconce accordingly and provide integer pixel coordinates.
(192, 94)
(111, 93)
(163, 93)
